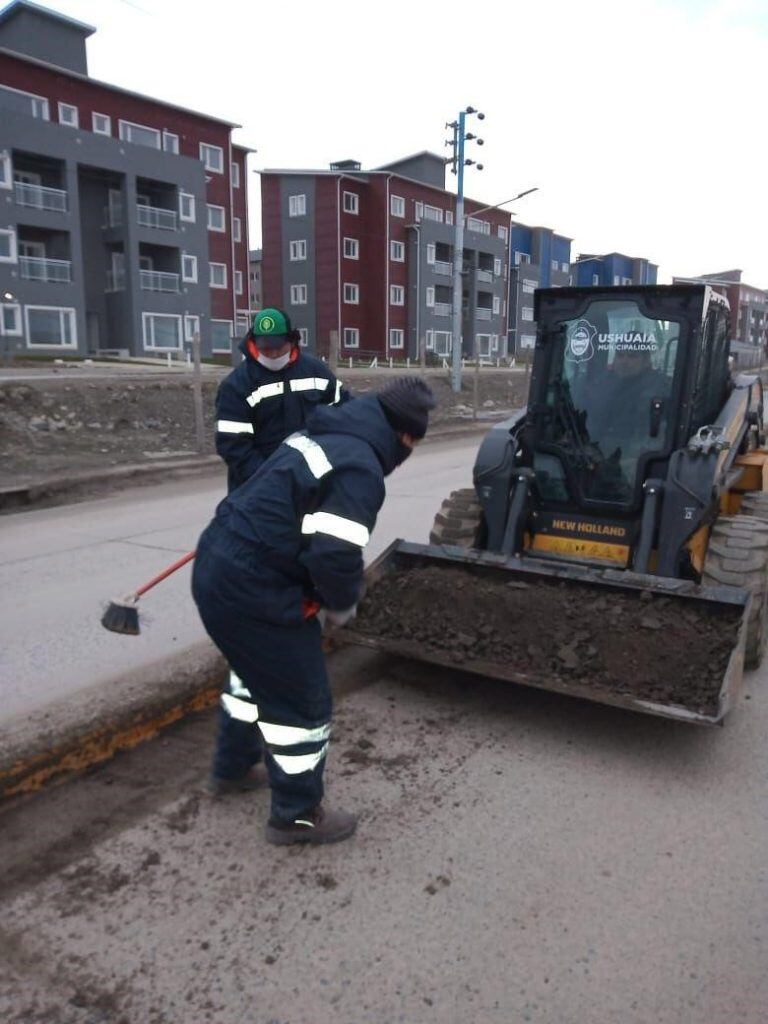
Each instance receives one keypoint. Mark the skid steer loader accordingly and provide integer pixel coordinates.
(628, 495)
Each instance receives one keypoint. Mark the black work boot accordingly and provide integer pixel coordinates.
(256, 778)
(319, 825)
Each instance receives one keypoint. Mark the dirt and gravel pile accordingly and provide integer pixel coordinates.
(656, 648)
(54, 427)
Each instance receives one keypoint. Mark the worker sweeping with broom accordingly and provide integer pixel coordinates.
(282, 548)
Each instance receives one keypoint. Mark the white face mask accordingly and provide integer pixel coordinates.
(274, 364)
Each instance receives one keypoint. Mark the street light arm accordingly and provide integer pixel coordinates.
(485, 209)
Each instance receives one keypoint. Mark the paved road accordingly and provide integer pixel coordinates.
(523, 858)
(58, 567)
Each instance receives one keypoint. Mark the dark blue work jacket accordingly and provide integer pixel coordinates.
(297, 528)
(257, 408)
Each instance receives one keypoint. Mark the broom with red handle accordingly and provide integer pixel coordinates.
(123, 616)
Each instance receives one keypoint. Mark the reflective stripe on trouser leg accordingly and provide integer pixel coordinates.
(291, 746)
(238, 742)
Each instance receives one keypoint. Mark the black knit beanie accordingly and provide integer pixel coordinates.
(406, 403)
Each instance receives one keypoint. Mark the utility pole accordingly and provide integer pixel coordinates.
(458, 163)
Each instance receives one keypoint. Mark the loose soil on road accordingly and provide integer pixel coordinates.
(660, 649)
(57, 427)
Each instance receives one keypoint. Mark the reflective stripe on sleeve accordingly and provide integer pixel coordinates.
(236, 687)
(309, 384)
(315, 457)
(289, 735)
(335, 526)
(242, 710)
(265, 391)
(233, 427)
(295, 764)
(337, 396)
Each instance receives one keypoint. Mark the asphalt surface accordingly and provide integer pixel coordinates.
(59, 567)
(521, 857)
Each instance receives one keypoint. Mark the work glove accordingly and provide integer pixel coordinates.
(339, 618)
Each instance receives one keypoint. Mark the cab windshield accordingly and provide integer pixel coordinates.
(608, 401)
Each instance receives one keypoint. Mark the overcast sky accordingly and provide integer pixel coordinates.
(642, 122)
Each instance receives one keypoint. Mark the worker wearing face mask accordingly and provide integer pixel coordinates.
(269, 395)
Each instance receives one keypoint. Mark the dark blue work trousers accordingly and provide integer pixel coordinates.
(278, 688)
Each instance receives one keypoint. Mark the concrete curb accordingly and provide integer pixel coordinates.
(73, 734)
(26, 496)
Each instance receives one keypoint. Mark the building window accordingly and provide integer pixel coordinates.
(482, 227)
(218, 275)
(496, 305)
(483, 344)
(555, 265)
(297, 206)
(431, 252)
(171, 143)
(616, 280)
(430, 298)
(351, 337)
(439, 342)
(68, 115)
(397, 206)
(626, 280)
(564, 267)
(238, 282)
(297, 249)
(237, 229)
(527, 341)
(418, 211)
(186, 206)
(188, 267)
(449, 216)
(191, 327)
(351, 202)
(101, 124)
(212, 157)
(503, 233)
(303, 336)
(396, 295)
(397, 251)
(595, 279)
(529, 286)
(139, 134)
(221, 335)
(216, 218)
(37, 106)
(51, 327)
(6, 170)
(497, 267)
(433, 213)
(298, 295)
(235, 175)
(352, 294)
(10, 323)
(351, 249)
(396, 338)
(7, 245)
(526, 313)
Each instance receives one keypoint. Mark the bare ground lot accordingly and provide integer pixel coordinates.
(56, 427)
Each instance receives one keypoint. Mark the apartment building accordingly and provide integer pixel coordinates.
(538, 258)
(123, 219)
(749, 307)
(369, 254)
(612, 270)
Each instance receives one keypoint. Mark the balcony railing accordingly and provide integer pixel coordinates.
(442, 309)
(441, 267)
(157, 217)
(158, 281)
(39, 197)
(485, 275)
(36, 268)
(483, 313)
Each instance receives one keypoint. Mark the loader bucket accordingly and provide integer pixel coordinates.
(660, 646)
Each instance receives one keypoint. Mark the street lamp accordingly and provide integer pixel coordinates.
(458, 163)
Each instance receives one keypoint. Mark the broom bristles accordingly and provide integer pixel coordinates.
(122, 617)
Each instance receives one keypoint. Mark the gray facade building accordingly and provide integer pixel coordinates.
(254, 280)
(108, 242)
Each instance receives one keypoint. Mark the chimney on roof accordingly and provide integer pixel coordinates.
(346, 165)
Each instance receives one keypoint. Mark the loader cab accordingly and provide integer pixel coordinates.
(611, 373)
